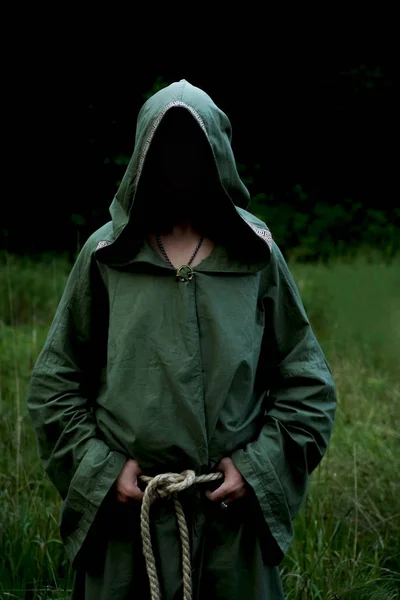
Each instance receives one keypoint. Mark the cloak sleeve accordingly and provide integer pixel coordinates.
(63, 386)
(300, 405)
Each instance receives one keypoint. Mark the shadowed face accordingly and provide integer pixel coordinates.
(180, 151)
(178, 171)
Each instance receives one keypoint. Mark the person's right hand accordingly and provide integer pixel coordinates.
(126, 483)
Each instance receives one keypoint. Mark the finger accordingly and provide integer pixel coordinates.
(122, 498)
(220, 466)
(131, 492)
(221, 492)
(223, 464)
(233, 497)
(227, 500)
(129, 498)
(226, 462)
(136, 470)
(241, 493)
(138, 494)
(135, 493)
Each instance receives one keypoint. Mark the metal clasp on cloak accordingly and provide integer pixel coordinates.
(185, 273)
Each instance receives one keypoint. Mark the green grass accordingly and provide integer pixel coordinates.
(347, 535)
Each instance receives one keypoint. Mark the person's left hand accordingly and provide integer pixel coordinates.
(233, 487)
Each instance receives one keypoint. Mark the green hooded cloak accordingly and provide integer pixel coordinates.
(178, 375)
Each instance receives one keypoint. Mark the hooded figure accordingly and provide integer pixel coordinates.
(178, 370)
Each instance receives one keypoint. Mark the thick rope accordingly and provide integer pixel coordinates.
(168, 485)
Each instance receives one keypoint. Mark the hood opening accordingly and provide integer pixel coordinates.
(179, 180)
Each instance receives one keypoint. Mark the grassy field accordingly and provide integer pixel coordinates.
(347, 535)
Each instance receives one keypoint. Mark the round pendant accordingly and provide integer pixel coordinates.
(185, 273)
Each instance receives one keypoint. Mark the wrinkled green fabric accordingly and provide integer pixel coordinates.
(178, 375)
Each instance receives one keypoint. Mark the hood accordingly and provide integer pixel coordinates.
(233, 196)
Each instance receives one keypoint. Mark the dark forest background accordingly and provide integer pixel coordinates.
(315, 143)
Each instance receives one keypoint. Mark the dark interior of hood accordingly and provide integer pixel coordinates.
(158, 204)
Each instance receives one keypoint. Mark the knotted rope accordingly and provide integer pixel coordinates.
(168, 485)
